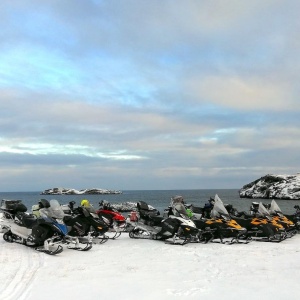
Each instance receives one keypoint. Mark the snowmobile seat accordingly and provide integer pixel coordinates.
(68, 220)
(156, 221)
(197, 210)
(29, 220)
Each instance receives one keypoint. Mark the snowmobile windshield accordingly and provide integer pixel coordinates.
(274, 208)
(262, 211)
(179, 210)
(54, 211)
(91, 209)
(176, 200)
(219, 209)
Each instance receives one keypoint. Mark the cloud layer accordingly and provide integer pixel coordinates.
(147, 94)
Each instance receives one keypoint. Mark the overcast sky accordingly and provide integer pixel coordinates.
(140, 94)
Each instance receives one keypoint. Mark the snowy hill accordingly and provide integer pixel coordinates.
(64, 191)
(273, 187)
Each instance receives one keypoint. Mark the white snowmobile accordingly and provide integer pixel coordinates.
(177, 226)
(46, 233)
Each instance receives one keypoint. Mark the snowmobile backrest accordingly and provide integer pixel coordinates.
(36, 210)
(141, 205)
(44, 203)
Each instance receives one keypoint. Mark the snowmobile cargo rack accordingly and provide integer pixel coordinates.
(12, 205)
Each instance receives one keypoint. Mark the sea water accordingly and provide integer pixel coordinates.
(160, 199)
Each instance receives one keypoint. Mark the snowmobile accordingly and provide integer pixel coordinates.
(223, 227)
(177, 226)
(259, 223)
(295, 218)
(8, 211)
(141, 214)
(280, 218)
(84, 223)
(45, 234)
(112, 218)
(205, 234)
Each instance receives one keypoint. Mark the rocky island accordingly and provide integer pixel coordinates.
(285, 187)
(64, 191)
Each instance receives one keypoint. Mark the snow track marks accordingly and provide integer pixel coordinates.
(16, 281)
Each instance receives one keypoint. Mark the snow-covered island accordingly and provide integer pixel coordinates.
(272, 186)
(64, 191)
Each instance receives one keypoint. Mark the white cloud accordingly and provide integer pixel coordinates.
(250, 94)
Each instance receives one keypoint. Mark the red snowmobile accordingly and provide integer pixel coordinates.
(113, 219)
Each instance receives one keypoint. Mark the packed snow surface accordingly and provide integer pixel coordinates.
(147, 269)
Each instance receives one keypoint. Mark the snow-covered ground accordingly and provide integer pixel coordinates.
(146, 269)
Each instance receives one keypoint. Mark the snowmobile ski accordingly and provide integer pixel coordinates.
(87, 247)
(100, 239)
(58, 250)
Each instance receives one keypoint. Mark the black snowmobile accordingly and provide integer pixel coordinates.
(295, 217)
(177, 226)
(140, 214)
(84, 223)
(223, 228)
(277, 215)
(205, 234)
(259, 223)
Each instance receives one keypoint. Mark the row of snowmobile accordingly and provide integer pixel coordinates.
(51, 227)
(215, 222)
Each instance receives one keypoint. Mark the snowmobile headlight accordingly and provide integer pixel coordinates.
(99, 227)
(188, 229)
